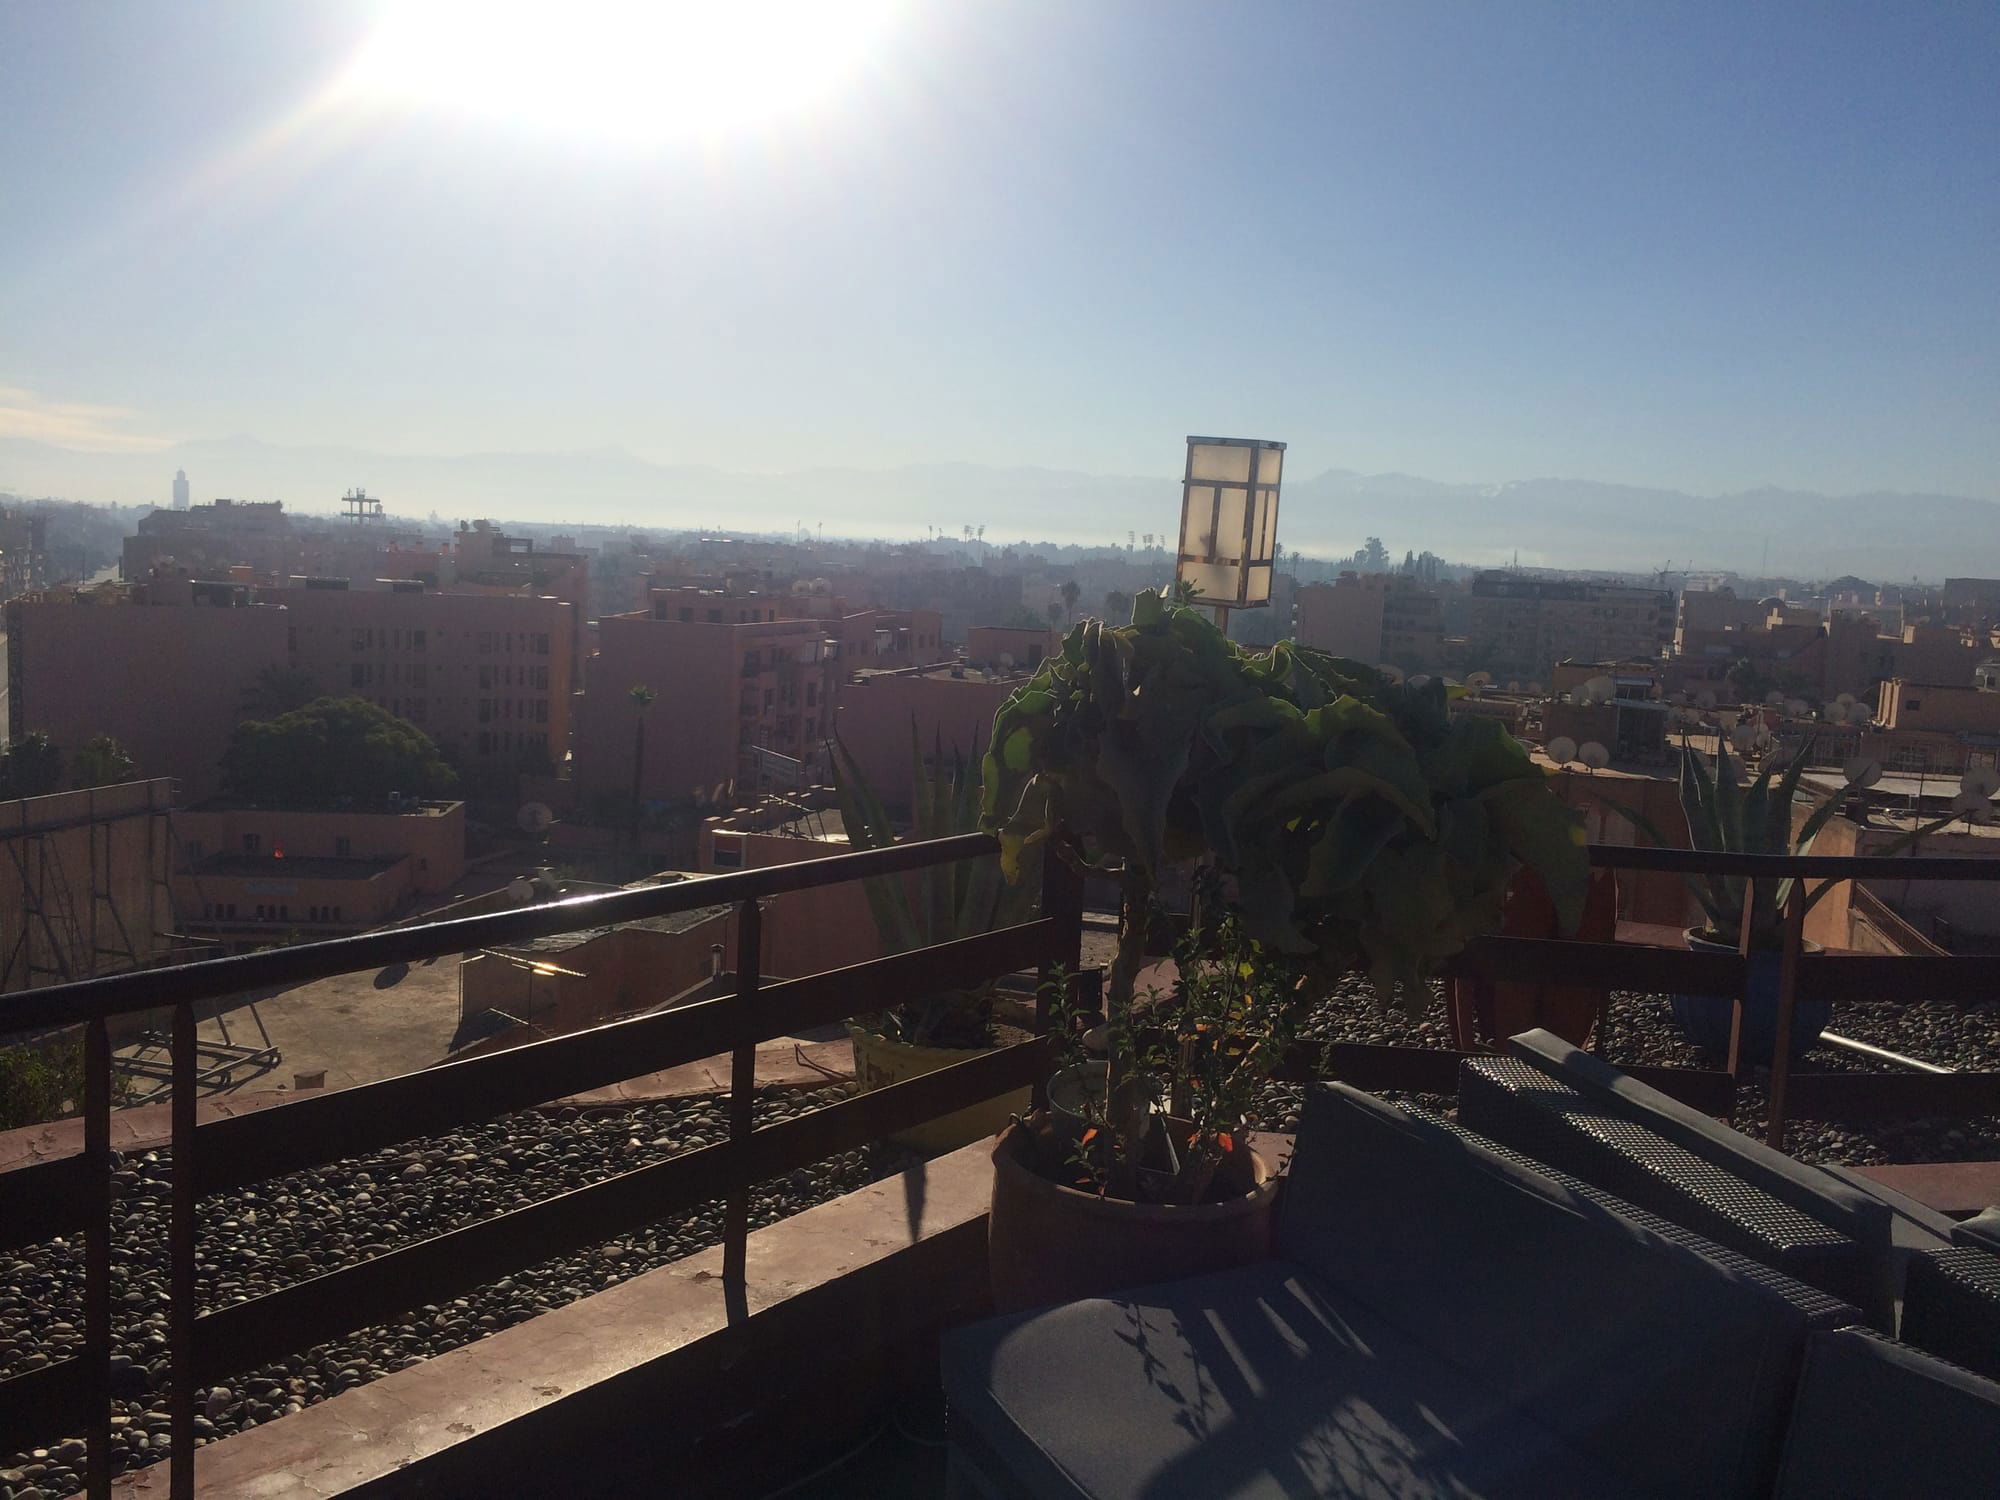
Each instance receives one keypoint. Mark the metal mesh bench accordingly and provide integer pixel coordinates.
(1951, 1307)
(1523, 1107)
(1822, 1310)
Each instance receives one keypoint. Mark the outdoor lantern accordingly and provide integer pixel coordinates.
(1229, 520)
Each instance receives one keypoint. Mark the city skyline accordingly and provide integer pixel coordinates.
(1703, 252)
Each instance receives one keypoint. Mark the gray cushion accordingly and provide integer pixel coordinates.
(1856, 1214)
(1634, 1350)
(1876, 1418)
(1251, 1383)
(1980, 1232)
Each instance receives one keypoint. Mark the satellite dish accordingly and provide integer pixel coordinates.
(721, 791)
(1394, 674)
(1593, 755)
(1798, 708)
(1562, 749)
(1602, 687)
(1479, 679)
(1535, 689)
(1422, 679)
(521, 890)
(1835, 713)
(1763, 740)
(1980, 781)
(1774, 698)
(1862, 771)
(1845, 700)
(534, 817)
(1513, 684)
(1706, 698)
(1743, 736)
(1677, 698)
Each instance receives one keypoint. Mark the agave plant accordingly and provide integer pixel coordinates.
(937, 904)
(1724, 817)
(1355, 823)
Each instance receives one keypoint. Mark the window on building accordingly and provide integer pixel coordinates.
(715, 617)
(688, 616)
(1913, 704)
(485, 711)
(357, 674)
(812, 694)
(417, 640)
(485, 742)
(542, 711)
(770, 697)
(542, 645)
(253, 843)
(485, 643)
(485, 678)
(343, 847)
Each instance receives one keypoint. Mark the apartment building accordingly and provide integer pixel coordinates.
(1373, 618)
(1520, 627)
(739, 693)
(487, 676)
(163, 667)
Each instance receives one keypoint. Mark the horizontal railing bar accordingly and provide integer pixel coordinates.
(44, 1404)
(1861, 976)
(252, 1333)
(790, 1005)
(150, 989)
(319, 1128)
(1861, 1097)
(351, 1122)
(852, 1122)
(1811, 866)
(42, 1201)
(246, 1334)
(1611, 965)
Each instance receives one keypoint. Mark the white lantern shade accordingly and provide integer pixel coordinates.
(1229, 520)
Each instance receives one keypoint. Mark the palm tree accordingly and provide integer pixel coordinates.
(1070, 592)
(642, 699)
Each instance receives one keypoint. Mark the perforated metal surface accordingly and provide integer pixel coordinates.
(1951, 1307)
(1525, 1108)
(1821, 1310)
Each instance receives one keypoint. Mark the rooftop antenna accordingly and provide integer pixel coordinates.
(361, 506)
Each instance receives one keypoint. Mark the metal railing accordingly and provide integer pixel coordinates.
(70, 1193)
(60, 1196)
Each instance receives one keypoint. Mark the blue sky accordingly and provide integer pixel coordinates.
(1707, 246)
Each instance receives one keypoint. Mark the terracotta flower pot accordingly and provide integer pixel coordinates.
(1049, 1243)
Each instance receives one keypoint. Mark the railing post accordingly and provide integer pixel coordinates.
(1736, 1005)
(742, 1096)
(97, 1253)
(1788, 986)
(181, 1237)
(1062, 903)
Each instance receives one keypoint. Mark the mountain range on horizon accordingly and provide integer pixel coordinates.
(1547, 522)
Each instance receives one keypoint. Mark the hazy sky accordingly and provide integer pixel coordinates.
(1707, 246)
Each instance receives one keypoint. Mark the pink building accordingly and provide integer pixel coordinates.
(949, 706)
(730, 680)
(163, 668)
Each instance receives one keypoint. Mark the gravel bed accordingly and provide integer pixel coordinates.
(1642, 1030)
(292, 1228)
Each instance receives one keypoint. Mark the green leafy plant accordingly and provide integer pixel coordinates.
(937, 904)
(1200, 1055)
(1725, 817)
(1354, 822)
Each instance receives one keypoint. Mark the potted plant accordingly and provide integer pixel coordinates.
(1728, 818)
(939, 904)
(1350, 821)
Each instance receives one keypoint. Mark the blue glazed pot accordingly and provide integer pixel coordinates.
(1704, 1019)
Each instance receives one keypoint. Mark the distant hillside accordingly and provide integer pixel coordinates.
(1549, 522)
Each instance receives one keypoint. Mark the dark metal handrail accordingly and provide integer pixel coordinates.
(150, 989)
(1805, 866)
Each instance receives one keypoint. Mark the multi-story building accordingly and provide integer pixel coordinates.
(206, 541)
(1373, 618)
(948, 708)
(1972, 708)
(180, 489)
(24, 552)
(165, 668)
(245, 874)
(741, 697)
(1521, 627)
(487, 676)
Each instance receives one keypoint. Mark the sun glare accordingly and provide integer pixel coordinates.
(642, 71)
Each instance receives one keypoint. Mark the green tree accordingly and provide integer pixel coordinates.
(101, 762)
(1071, 591)
(1117, 607)
(333, 751)
(279, 689)
(31, 767)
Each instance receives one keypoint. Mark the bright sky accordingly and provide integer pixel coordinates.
(1708, 246)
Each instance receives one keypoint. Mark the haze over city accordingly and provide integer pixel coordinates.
(1696, 252)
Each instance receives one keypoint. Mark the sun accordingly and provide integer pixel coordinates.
(624, 70)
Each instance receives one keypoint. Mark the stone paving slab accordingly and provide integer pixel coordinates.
(1958, 1189)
